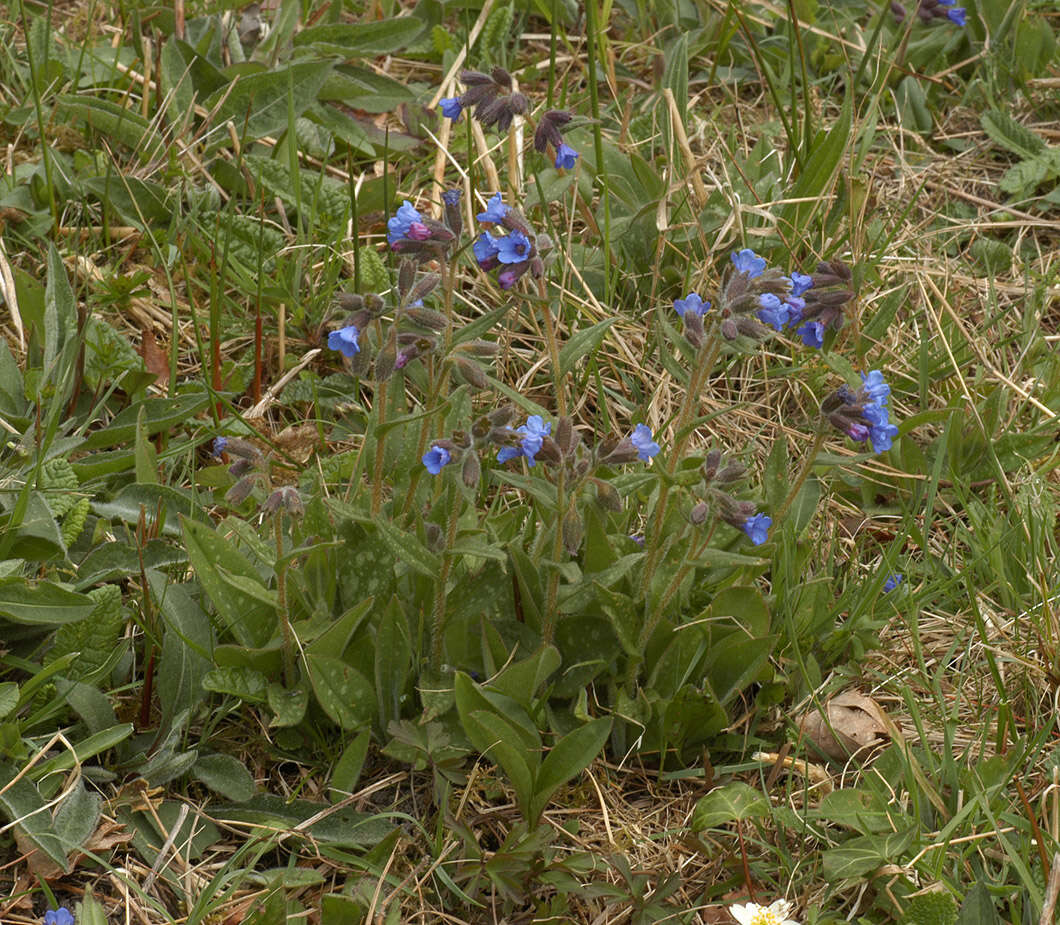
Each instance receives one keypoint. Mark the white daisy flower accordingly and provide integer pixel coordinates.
(753, 914)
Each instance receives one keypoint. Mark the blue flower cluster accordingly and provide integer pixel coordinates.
(516, 252)
(60, 916)
(863, 415)
(409, 232)
(490, 97)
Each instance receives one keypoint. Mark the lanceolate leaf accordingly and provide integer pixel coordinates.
(258, 104)
(42, 602)
(570, 756)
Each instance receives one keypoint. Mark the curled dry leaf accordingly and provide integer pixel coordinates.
(298, 441)
(854, 724)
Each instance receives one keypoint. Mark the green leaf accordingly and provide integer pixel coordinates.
(348, 768)
(77, 816)
(408, 549)
(393, 656)
(731, 803)
(582, 343)
(250, 621)
(22, 803)
(95, 638)
(225, 775)
(117, 123)
(60, 311)
(244, 683)
(8, 697)
(864, 854)
(366, 39)
(569, 757)
(91, 912)
(342, 827)
(345, 694)
(811, 189)
(84, 749)
(42, 603)
(521, 680)
(499, 741)
(1014, 136)
(161, 414)
(978, 907)
(287, 704)
(177, 85)
(258, 103)
(187, 645)
(1025, 177)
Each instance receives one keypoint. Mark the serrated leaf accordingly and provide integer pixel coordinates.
(225, 775)
(731, 803)
(258, 104)
(1010, 134)
(1022, 179)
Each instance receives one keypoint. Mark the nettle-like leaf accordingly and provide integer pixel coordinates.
(1011, 135)
(1024, 178)
(94, 638)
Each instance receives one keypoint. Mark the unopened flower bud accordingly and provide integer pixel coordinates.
(349, 301)
(386, 362)
(432, 533)
(426, 318)
(710, 465)
(564, 434)
(698, 514)
(732, 472)
(549, 451)
(573, 531)
(406, 277)
(729, 330)
(239, 492)
(240, 467)
(470, 372)
(374, 303)
(286, 499)
(480, 348)
(502, 416)
(471, 471)
(620, 453)
(454, 218)
(607, 496)
(243, 449)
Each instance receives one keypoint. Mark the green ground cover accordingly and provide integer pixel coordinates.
(529, 462)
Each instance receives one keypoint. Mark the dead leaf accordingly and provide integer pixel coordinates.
(155, 359)
(298, 441)
(854, 724)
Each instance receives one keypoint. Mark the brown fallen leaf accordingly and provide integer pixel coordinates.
(853, 723)
(155, 359)
(298, 441)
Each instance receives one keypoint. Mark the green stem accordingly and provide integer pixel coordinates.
(552, 342)
(804, 472)
(438, 617)
(380, 446)
(281, 602)
(592, 27)
(682, 432)
(548, 630)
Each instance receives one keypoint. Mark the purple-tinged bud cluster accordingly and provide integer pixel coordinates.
(489, 97)
(548, 133)
(692, 309)
(409, 232)
(515, 252)
(863, 415)
(930, 10)
(716, 474)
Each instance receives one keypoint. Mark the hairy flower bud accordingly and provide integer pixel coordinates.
(502, 416)
(698, 514)
(607, 495)
(710, 465)
(470, 372)
(386, 361)
(406, 277)
(244, 449)
(426, 318)
(239, 492)
(240, 467)
(349, 301)
(573, 530)
(471, 471)
(564, 434)
(733, 472)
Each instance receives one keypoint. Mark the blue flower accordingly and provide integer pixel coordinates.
(800, 283)
(772, 310)
(796, 306)
(534, 432)
(882, 436)
(345, 341)
(451, 107)
(757, 528)
(451, 197)
(566, 156)
(691, 303)
(892, 582)
(496, 210)
(514, 247)
(641, 439)
(484, 248)
(219, 444)
(747, 261)
(401, 222)
(874, 387)
(60, 916)
(812, 334)
(956, 15)
(436, 458)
